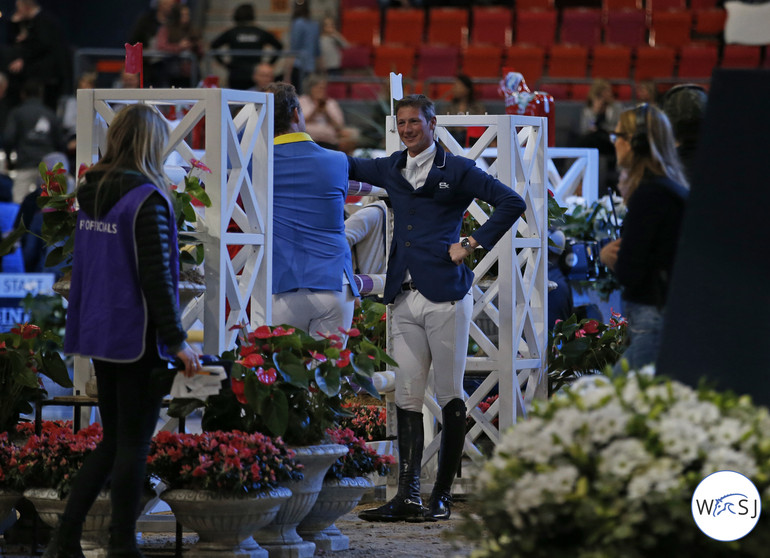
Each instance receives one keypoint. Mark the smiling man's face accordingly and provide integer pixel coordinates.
(414, 130)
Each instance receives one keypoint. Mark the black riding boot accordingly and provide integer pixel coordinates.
(65, 541)
(406, 505)
(123, 544)
(449, 456)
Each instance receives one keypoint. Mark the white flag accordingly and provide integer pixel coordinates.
(396, 87)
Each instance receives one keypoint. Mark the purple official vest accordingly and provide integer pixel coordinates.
(107, 313)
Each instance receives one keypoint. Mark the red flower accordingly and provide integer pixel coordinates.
(198, 165)
(238, 389)
(82, 169)
(318, 356)
(344, 359)
(591, 326)
(278, 331)
(580, 333)
(268, 376)
(352, 332)
(27, 331)
(252, 360)
(262, 332)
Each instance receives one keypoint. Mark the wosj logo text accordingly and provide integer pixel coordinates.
(726, 505)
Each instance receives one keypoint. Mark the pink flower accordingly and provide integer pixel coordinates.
(318, 356)
(352, 332)
(268, 376)
(198, 165)
(580, 333)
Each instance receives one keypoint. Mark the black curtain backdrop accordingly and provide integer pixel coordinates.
(718, 314)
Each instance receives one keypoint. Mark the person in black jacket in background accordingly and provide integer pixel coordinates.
(123, 313)
(244, 36)
(655, 189)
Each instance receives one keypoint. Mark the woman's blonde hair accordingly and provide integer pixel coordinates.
(660, 158)
(135, 141)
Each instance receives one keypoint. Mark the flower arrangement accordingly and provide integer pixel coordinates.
(583, 347)
(369, 320)
(283, 382)
(609, 468)
(233, 463)
(8, 453)
(26, 353)
(361, 460)
(367, 421)
(52, 458)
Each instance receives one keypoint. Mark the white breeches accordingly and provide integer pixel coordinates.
(426, 332)
(315, 311)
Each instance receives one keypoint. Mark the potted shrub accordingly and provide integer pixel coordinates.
(26, 353)
(609, 468)
(10, 492)
(223, 485)
(345, 483)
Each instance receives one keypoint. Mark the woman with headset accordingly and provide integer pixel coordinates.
(655, 189)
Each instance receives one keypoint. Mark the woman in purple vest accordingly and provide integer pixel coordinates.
(123, 313)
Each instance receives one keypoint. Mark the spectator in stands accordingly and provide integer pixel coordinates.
(429, 287)
(145, 31)
(313, 284)
(5, 108)
(464, 102)
(263, 75)
(646, 92)
(245, 35)
(39, 52)
(654, 188)
(331, 44)
(304, 35)
(127, 81)
(32, 131)
(324, 119)
(685, 106)
(178, 36)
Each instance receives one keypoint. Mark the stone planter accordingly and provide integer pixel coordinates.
(280, 537)
(225, 524)
(96, 527)
(8, 499)
(337, 497)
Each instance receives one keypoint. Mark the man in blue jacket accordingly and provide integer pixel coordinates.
(429, 287)
(313, 284)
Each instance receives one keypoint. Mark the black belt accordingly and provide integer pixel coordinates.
(408, 286)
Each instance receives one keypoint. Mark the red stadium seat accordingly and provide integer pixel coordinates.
(491, 25)
(350, 4)
(361, 26)
(671, 28)
(617, 5)
(567, 61)
(534, 4)
(709, 22)
(394, 58)
(626, 27)
(528, 60)
(703, 4)
(654, 62)
(356, 57)
(611, 62)
(482, 61)
(448, 26)
(741, 56)
(537, 27)
(697, 60)
(367, 91)
(581, 26)
(437, 61)
(665, 5)
(404, 26)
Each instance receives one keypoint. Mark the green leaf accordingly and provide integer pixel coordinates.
(366, 383)
(53, 366)
(329, 382)
(8, 243)
(275, 412)
(292, 369)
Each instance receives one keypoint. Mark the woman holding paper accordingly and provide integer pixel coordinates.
(123, 313)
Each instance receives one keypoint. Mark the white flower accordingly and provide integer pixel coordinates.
(728, 459)
(661, 477)
(534, 489)
(680, 438)
(699, 413)
(622, 457)
(608, 422)
(727, 432)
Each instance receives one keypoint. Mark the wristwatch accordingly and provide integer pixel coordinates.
(465, 243)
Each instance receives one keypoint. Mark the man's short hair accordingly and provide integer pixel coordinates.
(285, 101)
(426, 106)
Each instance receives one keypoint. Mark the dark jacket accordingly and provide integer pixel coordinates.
(244, 37)
(650, 236)
(152, 241)
(427, 221)
(33, 131)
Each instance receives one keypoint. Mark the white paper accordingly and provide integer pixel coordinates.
(199, 386)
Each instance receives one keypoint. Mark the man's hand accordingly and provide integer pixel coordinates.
(609, 254)
(458, 253)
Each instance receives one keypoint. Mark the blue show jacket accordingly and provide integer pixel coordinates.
(428, 220)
